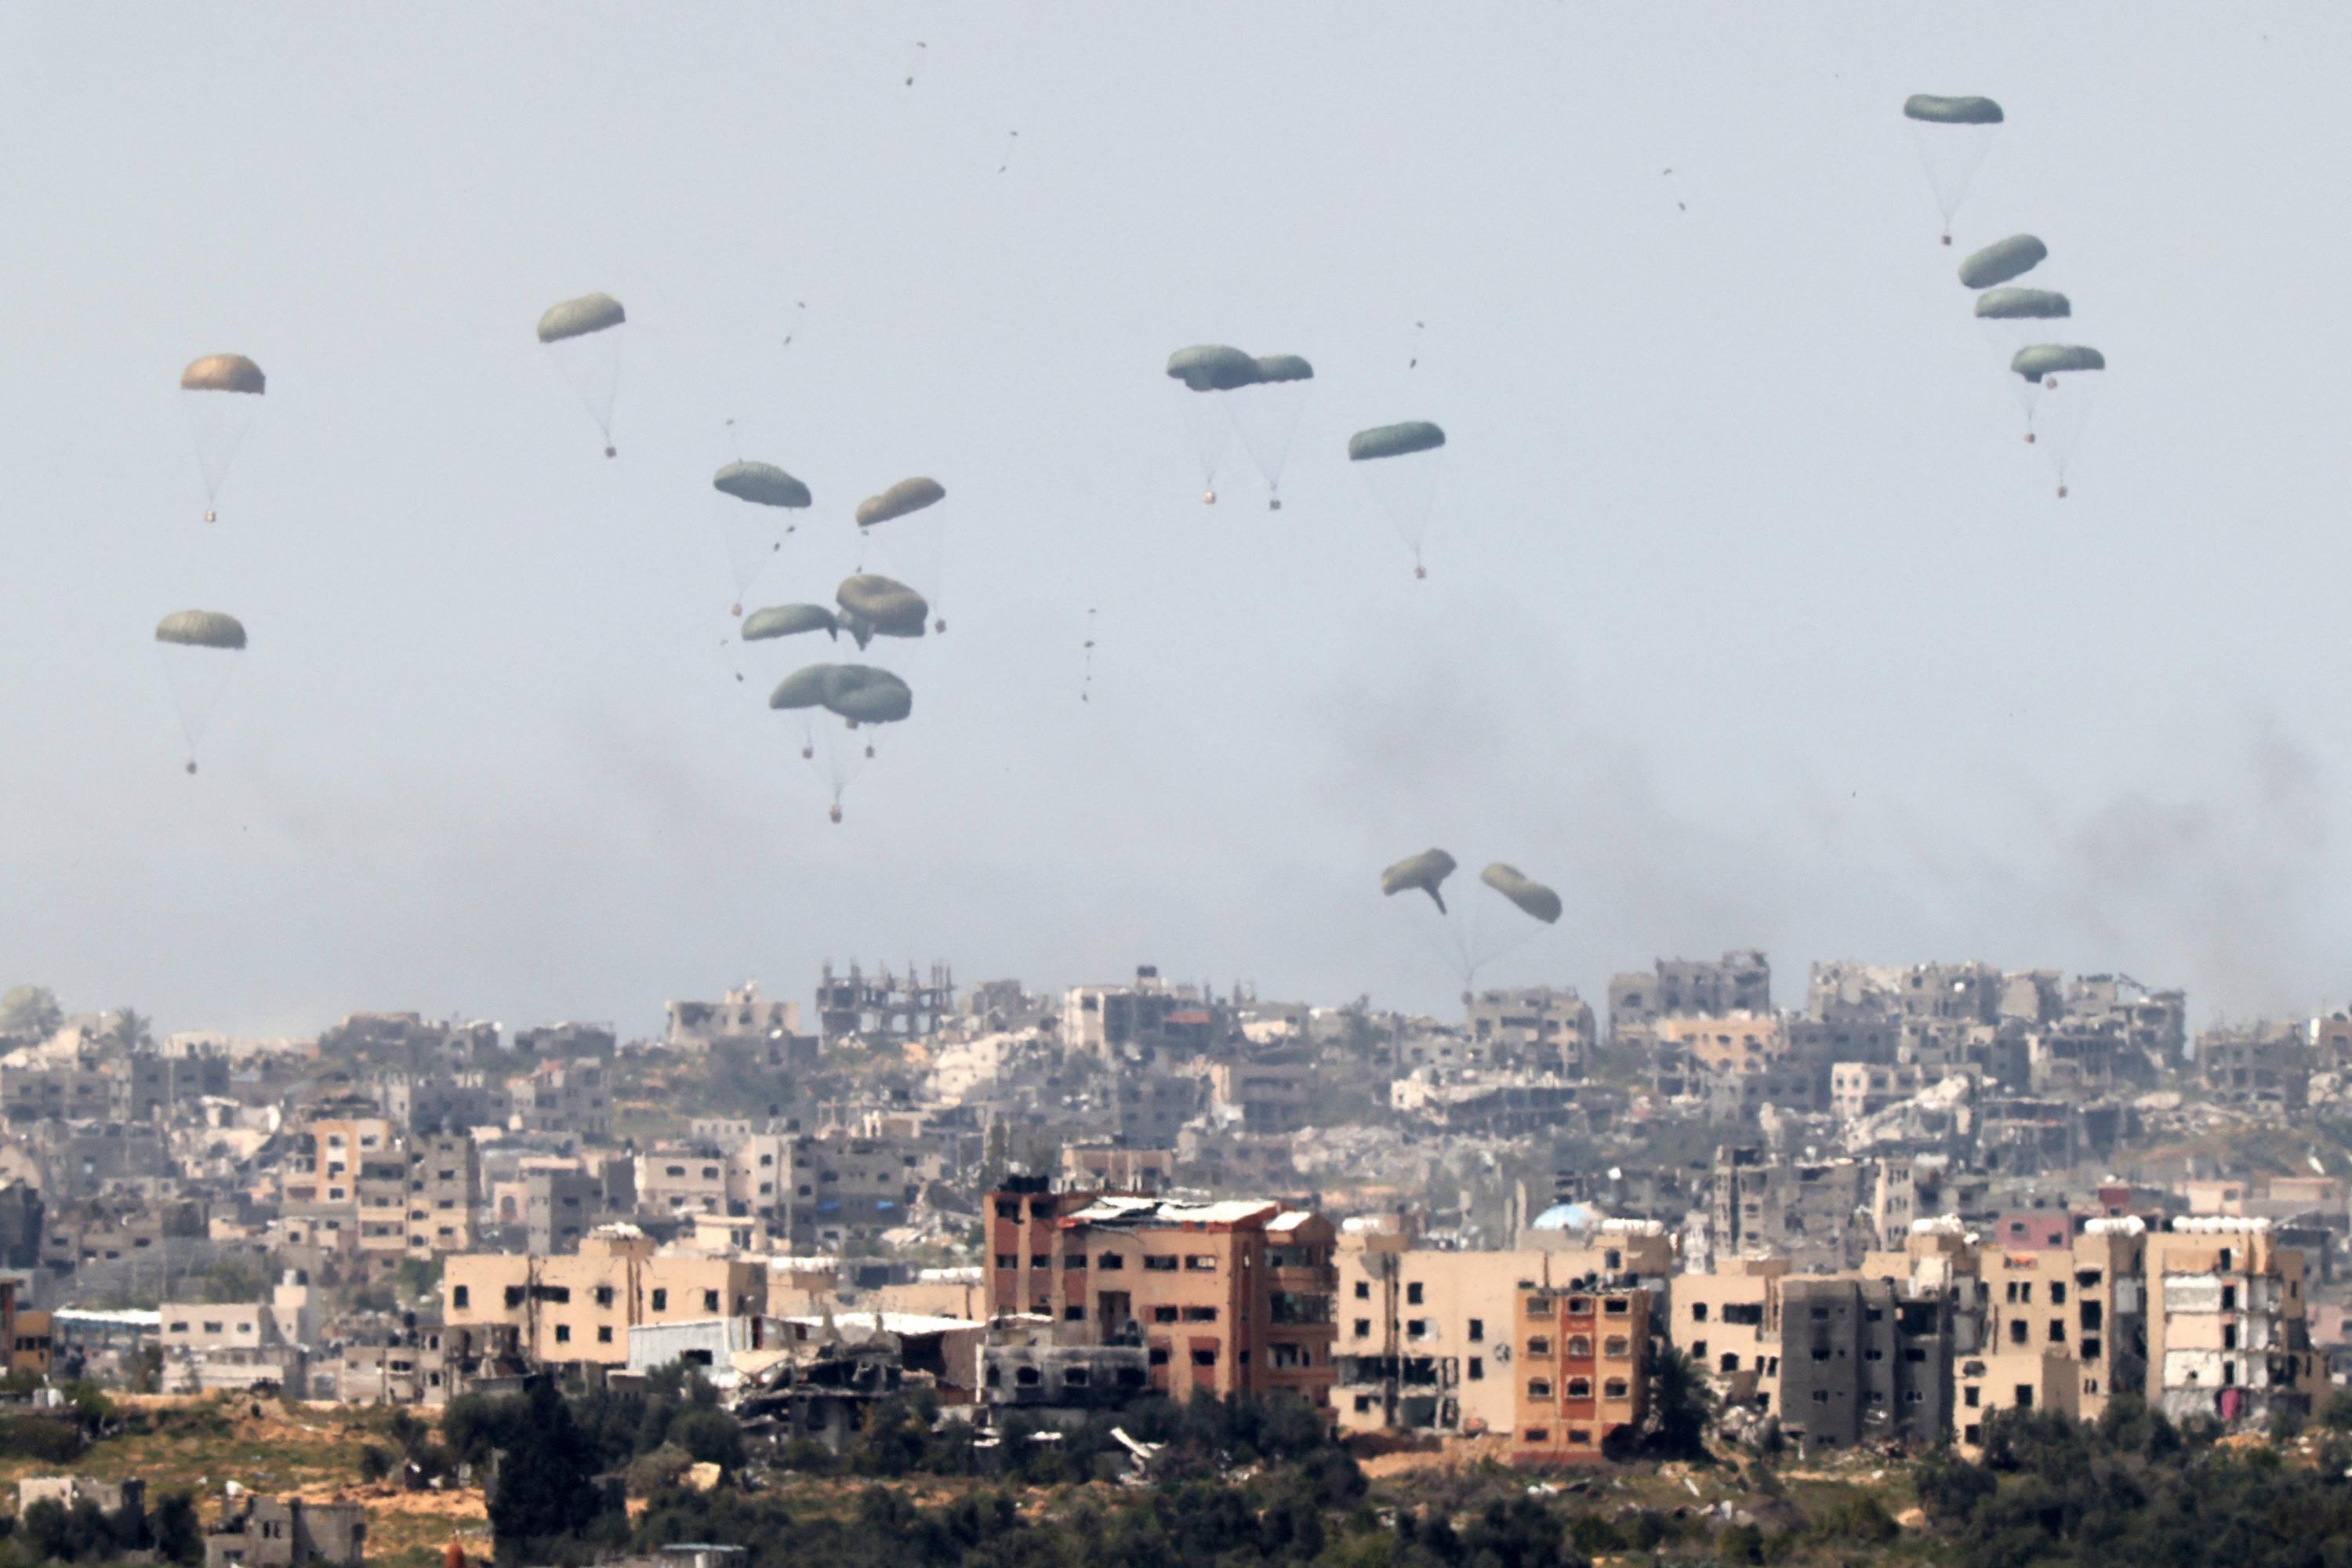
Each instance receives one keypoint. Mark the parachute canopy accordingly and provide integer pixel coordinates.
(1425, 870)
(859, 693)
(1937, 111)
(764, 484)
(1212, 367)
(1394, 440)
(1284, 367)
(874, 603)
(578, 318)
(905, 496)
(788, 620)
(201, 629)
(2023, 304)
(222, 372)
(1523, 890)
(2055, 359)
(2002, 261)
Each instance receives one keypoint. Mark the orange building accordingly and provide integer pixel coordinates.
(1583, 1371)
(1228, 1297)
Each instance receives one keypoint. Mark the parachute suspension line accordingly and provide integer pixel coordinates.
(218, 424)
(193, 698)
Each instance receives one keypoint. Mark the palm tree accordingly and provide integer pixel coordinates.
(131, 1030)
(1683, 1403)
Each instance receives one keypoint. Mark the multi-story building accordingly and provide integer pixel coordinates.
(1541, 1028)
(1815, 1213)
(676, 1179)
(1136, 1020)
(565, 1097)
(1738, 981)
(2226, 1330)
(1228, 1297)
(1864, 1359)
(445, 1191)
(580, 1308)
(1424, 1333)
(2260, 1067)
(742, 1018)
(1581, 1384)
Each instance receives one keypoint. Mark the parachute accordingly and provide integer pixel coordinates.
(789, 620)
(2062, 396)
(197, 681)
(1427, 871)
(219, 424)
(905, 496)
(873, 606)
(855, 693)
(752, 539)
(578, 337)
(1406, 492)
(917, 547)
(1265, 419)
(762, 484)
(1531, 896)
(2002, 261)
(2005, 304)
(1952, 135)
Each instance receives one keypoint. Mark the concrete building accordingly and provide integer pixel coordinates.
(1729, 1323)
(580, 1308)
(571, 1097)
(1424, 1333)
(1543, 1028)
(1738, 981)
(287, 1532)
(2226, 1332)
(1229, 1298)
(1137, 1020)
(742, 1018)
(1863, 1359)
(1816, 1214)
(883, 1006)
(445, 1191)
(1581, 1384)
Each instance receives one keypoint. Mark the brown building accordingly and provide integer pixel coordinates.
(1228, 1297)
(1583, 1386)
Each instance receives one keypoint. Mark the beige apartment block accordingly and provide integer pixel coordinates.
(581, 1306)
(1729, 1323)
(2226, 1321)
(1993, 1381)
(1423, 1332)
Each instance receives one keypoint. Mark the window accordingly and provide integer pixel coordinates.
(603, 1295)
(1730, 1361)
(1163, 1314)
(2025, 1396)
(1160, 1266)
(1580, 1388)
(1008, 1261)
(2229, 1297)
(1416, 1327)
(1363, 1289)
(563, 1334)
(2057, 1292)
(2057, 1331)
(1970, 1397)
(1616, 1307)
(1538, 1345)
(603, 1333)
(2091, 1347)
(1041, 1260)
(1412, 1293)
(1478, 1368)
(1157, 1356)
(1363, 1328)
(1008, 1208)
(514, 1295)
(1615, 1347)
(1821, 1397)
(1205, 1356)
(661, 1301)
(1200, 1314)
(1538, 1388)
(1363, 1403)
(461, 1296)
(1074, 1377)
(1698, 1312)
(2017, 1330)
(1074, 1313)
(1111, 1260)
(1536, 1435)
(1478, 1331)
(1613, 1389)
(1026, 1376)
(1874, 1353)
(1578, 1347)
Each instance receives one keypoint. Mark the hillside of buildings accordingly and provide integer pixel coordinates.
(1940, 1261)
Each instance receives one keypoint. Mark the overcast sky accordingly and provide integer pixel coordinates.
(1750, 619)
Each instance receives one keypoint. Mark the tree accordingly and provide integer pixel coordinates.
(129, 1029)
(1683, 1403)
(546, 1487)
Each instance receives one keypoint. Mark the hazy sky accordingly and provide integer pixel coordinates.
(1749, 618)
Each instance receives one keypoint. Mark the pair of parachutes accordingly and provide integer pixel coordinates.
(1462, 939)
(1260, 396)
(222, 395)
(2053, 380)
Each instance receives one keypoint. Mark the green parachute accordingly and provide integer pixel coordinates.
(873, 606)
(579, 336)
(917, 547)
(219, 424)
(753, 538)
(1427, 871)
(762, 484)
(789, 620)
(2002, 261)
(2061, 396)
(197, 678)
(1270, 392)
(905, 496)
(855, 693)
(1952, 135)
(1531, 896)
(1406, 490)
(2005, 304)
